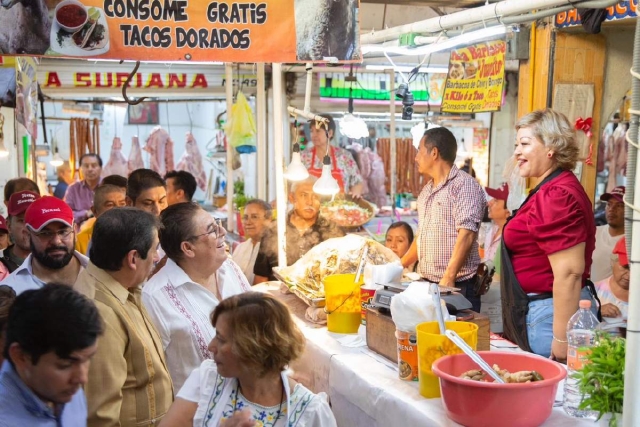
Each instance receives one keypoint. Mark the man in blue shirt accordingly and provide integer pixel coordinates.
(50, 338)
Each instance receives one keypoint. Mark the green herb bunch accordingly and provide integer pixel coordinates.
(239, 198)
(601, 379)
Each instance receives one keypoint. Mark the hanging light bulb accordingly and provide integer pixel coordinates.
(57, 159)
(327, 184)
(3, 150)
(296, 170)
(351, 126)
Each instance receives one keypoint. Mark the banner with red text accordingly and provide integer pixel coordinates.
(475, 79)
(182, 30)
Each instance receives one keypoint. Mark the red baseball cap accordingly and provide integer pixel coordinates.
(617, 193)
(620, 249)
(20, 201)
(500, 193)
(46, 210)
(3, 224)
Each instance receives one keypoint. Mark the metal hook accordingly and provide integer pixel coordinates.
(126, 84)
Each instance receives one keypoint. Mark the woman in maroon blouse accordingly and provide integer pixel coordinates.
(548, 243)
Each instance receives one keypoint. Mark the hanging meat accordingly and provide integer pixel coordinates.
(135, 156)
(191, 161)
(160, 146)
(117, 164)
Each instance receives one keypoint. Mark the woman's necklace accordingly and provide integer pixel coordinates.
(279, 406)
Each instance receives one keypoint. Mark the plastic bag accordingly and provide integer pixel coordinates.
(517, 184)
(413, 306)
(241, 128)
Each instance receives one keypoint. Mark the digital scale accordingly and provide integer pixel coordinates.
(451, 296)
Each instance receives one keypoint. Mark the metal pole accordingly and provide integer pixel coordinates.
(465, 17)
(229, 92)
(278, 138)
(261, 106)
(631, 409)
(392, 139)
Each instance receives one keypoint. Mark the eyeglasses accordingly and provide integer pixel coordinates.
(213, 228)
(49, 235)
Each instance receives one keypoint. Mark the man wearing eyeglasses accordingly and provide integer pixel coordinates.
(49, 226)
(609, 234)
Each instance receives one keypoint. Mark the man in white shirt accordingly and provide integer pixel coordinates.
(608, 235)
(256, 218)
(49, 224)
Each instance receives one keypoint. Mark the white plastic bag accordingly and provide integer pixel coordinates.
(413, 306)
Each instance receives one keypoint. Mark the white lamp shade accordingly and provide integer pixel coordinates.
(326, 185)
(353, 127)
(296, 170)
(56, 160)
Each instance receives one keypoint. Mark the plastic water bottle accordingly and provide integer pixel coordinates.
(581, 337)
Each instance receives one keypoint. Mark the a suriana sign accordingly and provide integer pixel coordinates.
(87, 78)
(56, 80)
(182, 30)
(622, 10)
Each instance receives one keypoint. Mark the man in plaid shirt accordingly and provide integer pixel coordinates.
(450, 210)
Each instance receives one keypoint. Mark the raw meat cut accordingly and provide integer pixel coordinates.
(135, 156)
(160, 146)
(191, 161)
(117, 164)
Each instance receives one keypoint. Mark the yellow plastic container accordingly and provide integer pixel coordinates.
(432, 346)
(342, 303)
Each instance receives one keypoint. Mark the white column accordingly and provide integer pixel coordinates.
(278, 139)
(261, 107)
(392, 138)
(229, 92)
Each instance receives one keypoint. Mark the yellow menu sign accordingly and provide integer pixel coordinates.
(475, 79)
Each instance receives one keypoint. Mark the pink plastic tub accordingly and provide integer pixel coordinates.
(488, 404)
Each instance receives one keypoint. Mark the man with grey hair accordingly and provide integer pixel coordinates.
(305, 229)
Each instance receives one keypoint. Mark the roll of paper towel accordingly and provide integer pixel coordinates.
(381, 274)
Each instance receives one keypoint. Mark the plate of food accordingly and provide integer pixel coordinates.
(78, 30)
(347, 212)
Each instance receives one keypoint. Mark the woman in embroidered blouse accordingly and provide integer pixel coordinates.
(256, 339)
(197, 276)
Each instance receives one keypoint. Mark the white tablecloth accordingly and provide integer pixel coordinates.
(364, 388)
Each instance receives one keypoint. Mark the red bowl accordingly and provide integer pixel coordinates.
(488, 404)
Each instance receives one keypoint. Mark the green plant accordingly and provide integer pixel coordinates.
(239, 199)
(601, 379)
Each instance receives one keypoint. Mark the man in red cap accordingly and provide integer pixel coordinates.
(614, 291)
(14, 255)
(49, 224)
(609, 234)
